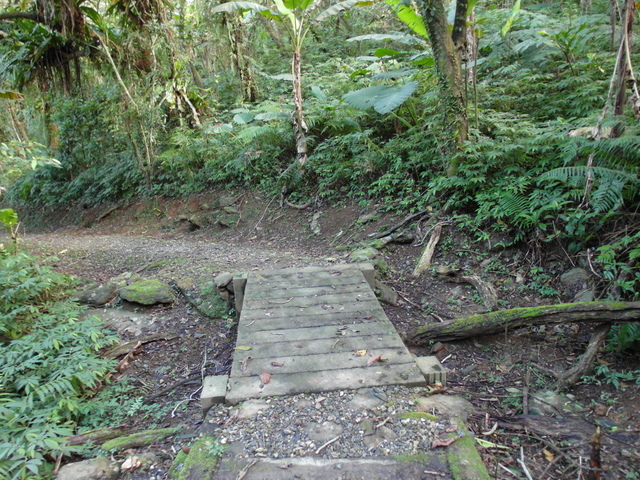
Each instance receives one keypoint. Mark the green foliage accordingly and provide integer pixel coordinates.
(624, 337)
(603, 374)
(50, 365)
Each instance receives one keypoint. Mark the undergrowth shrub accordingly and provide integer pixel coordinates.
(50, 367)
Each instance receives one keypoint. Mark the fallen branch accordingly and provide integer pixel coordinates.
(99, 436)
(500, 321)
(406, 220)
(425, 259)
(486, 290)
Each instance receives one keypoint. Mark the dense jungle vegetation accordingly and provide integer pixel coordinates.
(511, 117)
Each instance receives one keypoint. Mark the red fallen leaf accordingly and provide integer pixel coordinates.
(443, 442)
(375, 358)
(265, 377)
(277, 364)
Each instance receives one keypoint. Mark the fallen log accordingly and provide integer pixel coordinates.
(500, 321)
(99, 436)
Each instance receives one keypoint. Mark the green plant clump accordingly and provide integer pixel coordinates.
(51, 366)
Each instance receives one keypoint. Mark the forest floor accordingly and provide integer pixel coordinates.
(156, 239)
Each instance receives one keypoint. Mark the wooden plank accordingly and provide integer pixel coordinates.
(324, 381)
(305, 327)
(316, 346)
(263, 335)
(330, 318)
(319, 362)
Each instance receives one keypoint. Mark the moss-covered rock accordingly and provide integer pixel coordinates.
(140, 439)
(463, 457)
(201, 462)
(418, 415)
(148, 292)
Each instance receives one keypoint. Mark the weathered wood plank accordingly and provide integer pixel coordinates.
(319, 362)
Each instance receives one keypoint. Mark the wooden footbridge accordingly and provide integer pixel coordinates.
(314, 329)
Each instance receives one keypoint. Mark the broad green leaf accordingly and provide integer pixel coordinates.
(425, 62)
(407, 14)
(267, 116)
(404, 72)
(364, 98)
(220, 128)
(337, 8)
(8, 218)
(509, 23)
(393, 97)
(243, 118)
(380, 37)
(230, 7)
(385, 52)
(301, 4)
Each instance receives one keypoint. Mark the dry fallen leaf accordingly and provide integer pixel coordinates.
(443, 442)
(265, 377)
(276, 364)
(361, 353)
(373, 359)
(548, 455)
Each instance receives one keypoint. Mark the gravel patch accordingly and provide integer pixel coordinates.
(331, 425)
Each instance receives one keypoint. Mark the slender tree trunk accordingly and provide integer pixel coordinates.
(298, 115)
(18, 125)
(238, 44)
(623, 67)
(447, 54)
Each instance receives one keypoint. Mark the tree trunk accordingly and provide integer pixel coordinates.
(298, 115)
(447, 54)
(238, 44)
(497, 322)
(622, 69)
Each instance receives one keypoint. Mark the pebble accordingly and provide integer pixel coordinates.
(284, 429)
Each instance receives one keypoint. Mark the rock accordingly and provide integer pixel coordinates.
(231, 210)
(385, 293)
(223, 280)
(575, 275)
(323, 432)
(366, 254)
(378, 436)
(98, 296)
(148, 292)
(125, 279)
(368, 399)
(123, 321)
(201, 220)
(367, 217)
(447, 405)
(100, 468)
(551, 404)
(584, 296)
(227, 220)
(226, 200)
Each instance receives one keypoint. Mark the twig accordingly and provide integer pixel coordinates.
(437, 474)
(244, 471)
(382, 423)
(525, 392)
(280, 303)
(409, 301)
(523, 465)
(322, 447)
(507, 470)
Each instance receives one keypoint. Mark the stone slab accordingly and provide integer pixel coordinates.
(214, 390)
(432, 370)
(322, 469)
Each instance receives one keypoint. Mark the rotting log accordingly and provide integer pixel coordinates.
(500, 321)
(99, 436)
